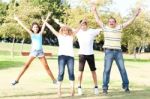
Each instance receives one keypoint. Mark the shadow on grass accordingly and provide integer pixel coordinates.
(138, 60)
(55, 57)
(88, 94)
(9, 64)
(40, 94)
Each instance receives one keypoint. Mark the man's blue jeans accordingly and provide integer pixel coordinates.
(110, 55)
(62, 61)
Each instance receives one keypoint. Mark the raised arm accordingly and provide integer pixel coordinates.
(132, 19)
(79, 26)
(62, 24)
(98, 20)
(52, 29)
(17, 19)
(44, 22)
(59, 23)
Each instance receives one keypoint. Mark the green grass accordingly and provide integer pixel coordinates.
(35, 84)
(9, 64)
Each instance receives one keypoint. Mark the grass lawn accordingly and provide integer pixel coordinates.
(35, 83)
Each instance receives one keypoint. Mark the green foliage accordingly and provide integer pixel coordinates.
(3, 8)
(29, 11)
(11, 30)
(134, 36)
(137, 34)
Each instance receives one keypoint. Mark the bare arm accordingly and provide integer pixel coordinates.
(52, 29)
(19, 22)
(132, 19)
(44, 23)
(59, 23)
(98, 20)
(62, 24)
(79, 26)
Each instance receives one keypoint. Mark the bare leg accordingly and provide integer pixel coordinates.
(72, 88)
(80, 77)
(45, 64)
(25, 67)
(59, 88)
(94, 77)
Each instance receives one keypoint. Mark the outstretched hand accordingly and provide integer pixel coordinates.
(49, 14)
(45, 20)
(138, 11)
(56, 20)
(16, 17)
(42, 19)
(93, 8)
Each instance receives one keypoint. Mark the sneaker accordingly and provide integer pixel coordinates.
(80, 91)
(127, 90)
(14, 83)
(96, 91)
(54, 81)
(105, 91)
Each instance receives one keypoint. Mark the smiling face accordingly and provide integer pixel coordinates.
(66, 31)
(35, 28)
(112, 22)
(84, 26)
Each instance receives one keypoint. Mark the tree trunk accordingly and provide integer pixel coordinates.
(12, 49)
(22, 45)
(139, 50)
(134, 53)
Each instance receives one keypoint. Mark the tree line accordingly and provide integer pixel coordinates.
(135, 37)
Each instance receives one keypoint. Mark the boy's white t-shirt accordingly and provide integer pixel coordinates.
(86, 39)
(65, 45)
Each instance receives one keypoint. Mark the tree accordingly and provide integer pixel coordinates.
(3, 9)
(137, 35)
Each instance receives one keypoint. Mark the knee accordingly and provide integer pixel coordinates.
(26, 65)
(60, 76)
(107, 71)
(61, 73)
(46, 66)
(71, 77)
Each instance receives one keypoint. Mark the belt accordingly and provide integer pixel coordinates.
(113, 49)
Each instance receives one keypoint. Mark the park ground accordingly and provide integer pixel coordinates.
(36, 84)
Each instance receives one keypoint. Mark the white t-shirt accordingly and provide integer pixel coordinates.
(86, 39)
(65, 45)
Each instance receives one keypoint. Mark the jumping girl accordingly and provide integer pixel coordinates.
(36, 50)
(65, 54)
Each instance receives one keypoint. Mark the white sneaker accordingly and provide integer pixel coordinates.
(96, 91)
(80, 91)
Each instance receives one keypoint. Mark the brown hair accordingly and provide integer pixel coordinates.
(66, 28)
(35, 23)
(83, 22)
(112, 18)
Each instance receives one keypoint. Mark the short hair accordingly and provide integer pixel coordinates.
(112, 18)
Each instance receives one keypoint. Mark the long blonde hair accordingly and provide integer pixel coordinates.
(68, 31)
